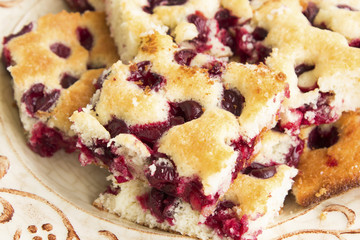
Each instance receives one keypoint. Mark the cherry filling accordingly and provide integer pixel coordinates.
(25, 29)
(103, 154)
(112, 190)
(320, 113)
(187, 110)
(180, 113)
(116, 126)
(226, 23)
(305, 86)
(6, 58)
(85, 38)
(120, 170)
(302, 68)
(260, 171)
(355, 43)
(99, 82)
(185, 56)
(322, 138)
(46, 141)
(36, 99)
(292, 158)
(154, 3)
(248, 46)
(225, 19)
(67, 80)
(160, 204)
(311, 11)
(215, 68)
(332, 162)
(80, 5)
(233, 101)
(226, 222)
(200, 21)
(162, 175)
(141, 74)
(60, 50)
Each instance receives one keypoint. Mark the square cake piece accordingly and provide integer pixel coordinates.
(184, 129)
(321, 68)
(193, 23)
(330, 162)
(53, 64)
(253, 200)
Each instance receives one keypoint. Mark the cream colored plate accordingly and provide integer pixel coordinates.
(50, 198)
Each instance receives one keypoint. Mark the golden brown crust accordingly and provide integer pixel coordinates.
(35, 63)
(252, 194)
(326, 172)
(201, 147)
(72, 99)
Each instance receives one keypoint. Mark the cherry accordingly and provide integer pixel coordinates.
(85, 38)
(320, 138)
(232, 101)
(36, 99)
(60, 50)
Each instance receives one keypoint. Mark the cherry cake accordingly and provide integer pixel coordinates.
(53, 63)
(182, 133)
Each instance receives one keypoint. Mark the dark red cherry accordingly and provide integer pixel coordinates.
(355, 43)
(188, 110)
(322, 138)
(200, 21)
(225, 221)
(67, 80)
(25, 29)
(61, 50)
(184, 57)
(85, 38)
(116, 126)
(311, 11)
(225, 19)
(141, 74)
(80, 5)
(46, 141)
(37, 99)
(302, 68)
(232, 102)
(162, 175)
(260, 171)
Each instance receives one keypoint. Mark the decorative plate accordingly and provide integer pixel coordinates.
(51, 198)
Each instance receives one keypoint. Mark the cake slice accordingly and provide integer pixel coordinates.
(321, 68)
(53, 64)
(338, 16)
(184, 129)
(251, 203)
(246, 209)
(330, 162)
(192, 23)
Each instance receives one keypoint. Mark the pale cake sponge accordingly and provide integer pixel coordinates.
(337, 15)
(156, 113)
(254, 207)
(279, 148)
(261, 199)
(128, 20)
(202, 148)
(322, 70)
(330, 162)
(50, 62)
(261, 95)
